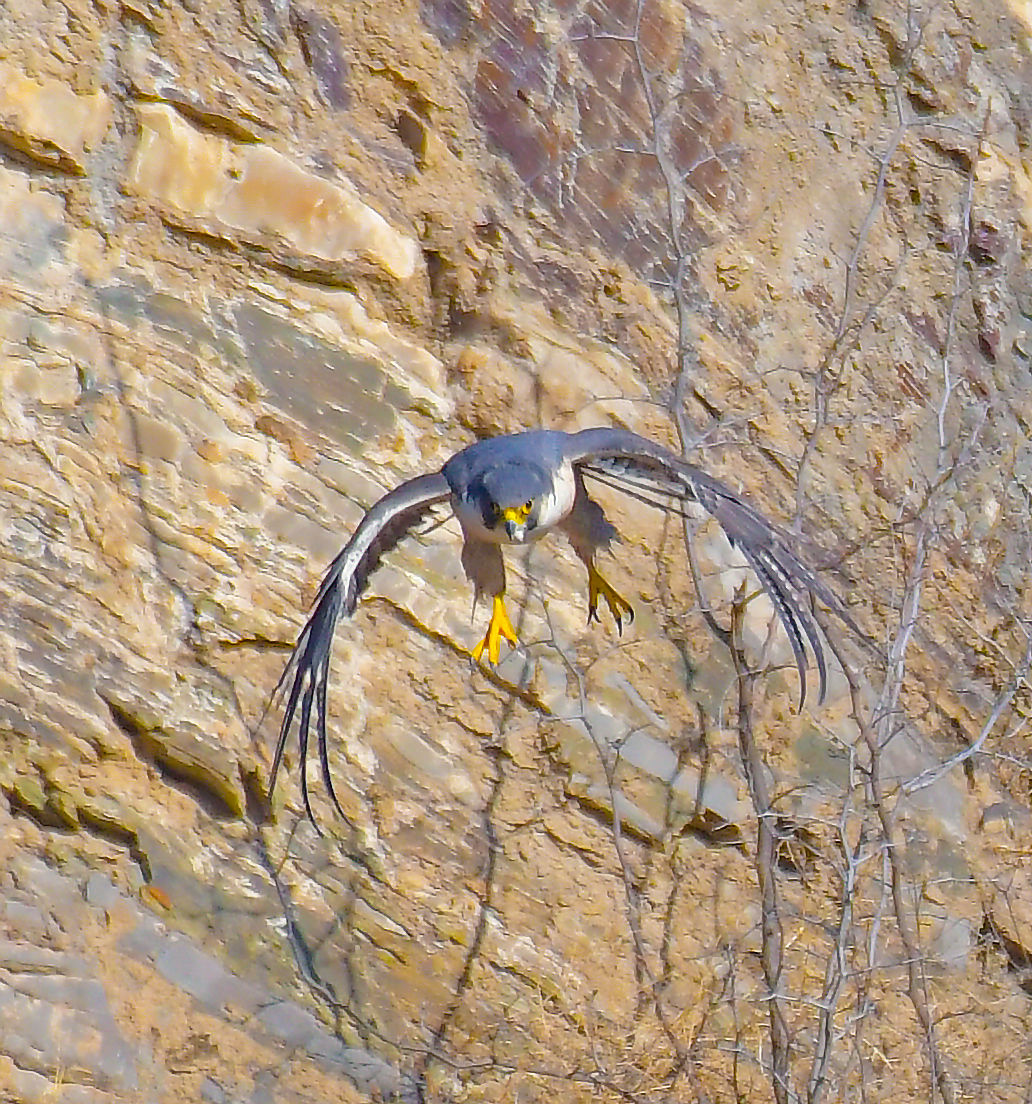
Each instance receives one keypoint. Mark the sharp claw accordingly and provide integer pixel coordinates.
(499, 626)
(619, 607)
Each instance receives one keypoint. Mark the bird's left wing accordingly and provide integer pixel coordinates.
(644, 469)
(307, 672)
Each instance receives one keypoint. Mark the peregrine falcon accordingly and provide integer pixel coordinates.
(514, 490)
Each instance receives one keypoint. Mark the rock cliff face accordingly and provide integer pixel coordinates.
(260, 261)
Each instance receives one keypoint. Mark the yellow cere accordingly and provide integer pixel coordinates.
(517, 513)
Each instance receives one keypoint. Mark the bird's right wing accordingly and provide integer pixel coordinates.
(307, 672)
(645, 470)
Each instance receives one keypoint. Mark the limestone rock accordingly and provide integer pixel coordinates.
(50, 122)
(255, 194)
(262, 261)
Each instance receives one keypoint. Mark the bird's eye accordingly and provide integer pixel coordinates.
(527, 506)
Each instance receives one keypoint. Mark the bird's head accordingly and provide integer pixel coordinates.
(510, 498)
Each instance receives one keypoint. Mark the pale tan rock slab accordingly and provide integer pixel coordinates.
(50, 122)
(250, 192)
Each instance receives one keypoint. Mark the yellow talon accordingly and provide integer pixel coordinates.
(499, 626)
(619, 607)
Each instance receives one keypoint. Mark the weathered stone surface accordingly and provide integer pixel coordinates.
(261, 261)
(50, 122)
(69, 1033)
(254, 194)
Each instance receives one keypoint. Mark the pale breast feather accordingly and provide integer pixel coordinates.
(555, 506)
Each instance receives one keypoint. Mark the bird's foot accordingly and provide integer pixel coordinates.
(619, 607)
(499, 626)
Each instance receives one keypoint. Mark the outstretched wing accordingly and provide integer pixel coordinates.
(307, 672)
(642, 468)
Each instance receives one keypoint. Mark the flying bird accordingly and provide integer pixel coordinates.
(514, 490)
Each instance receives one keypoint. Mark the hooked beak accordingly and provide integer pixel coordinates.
(515, 525)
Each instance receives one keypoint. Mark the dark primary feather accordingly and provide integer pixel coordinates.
(649, 472)
(308, 670)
